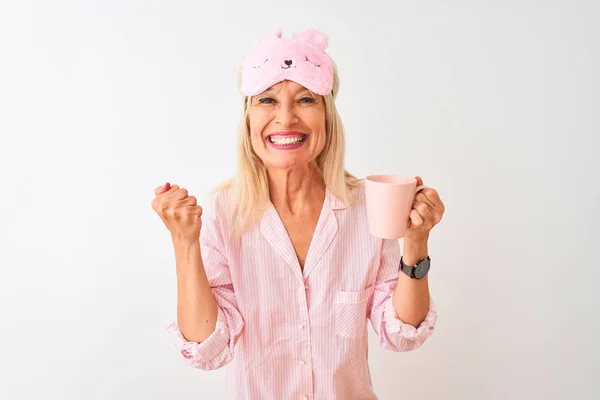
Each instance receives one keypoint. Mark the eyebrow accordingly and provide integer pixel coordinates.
(298, 91)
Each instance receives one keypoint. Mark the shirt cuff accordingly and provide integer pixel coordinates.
(395, 325)
(205, 351)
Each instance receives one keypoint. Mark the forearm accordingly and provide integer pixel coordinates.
(196, 305)
(411, 296)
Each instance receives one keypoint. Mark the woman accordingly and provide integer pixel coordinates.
(285, 274)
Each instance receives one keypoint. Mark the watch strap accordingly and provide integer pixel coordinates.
(410, 270)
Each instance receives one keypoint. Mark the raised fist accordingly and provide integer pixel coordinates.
(179, 212)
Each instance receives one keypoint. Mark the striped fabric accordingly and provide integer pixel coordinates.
(291, 334)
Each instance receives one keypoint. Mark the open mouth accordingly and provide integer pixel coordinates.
(287, 140)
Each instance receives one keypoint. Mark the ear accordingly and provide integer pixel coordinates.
(269, 37)
(275, 34)
(265, 41)
(312, 37)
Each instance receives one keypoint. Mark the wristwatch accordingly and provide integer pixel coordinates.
(417, 271)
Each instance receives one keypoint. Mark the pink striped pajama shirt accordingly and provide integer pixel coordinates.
(292, 334)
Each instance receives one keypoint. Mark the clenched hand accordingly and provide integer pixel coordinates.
(179, 212)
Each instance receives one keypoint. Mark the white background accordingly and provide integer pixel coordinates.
(496, 104)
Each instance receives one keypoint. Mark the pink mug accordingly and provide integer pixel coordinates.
(389, 200)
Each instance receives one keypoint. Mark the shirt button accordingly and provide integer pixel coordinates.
(305, 398)
(301, 326)
(305, 286)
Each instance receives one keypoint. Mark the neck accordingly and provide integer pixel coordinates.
(296, 190)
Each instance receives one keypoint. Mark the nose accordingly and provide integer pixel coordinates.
(288, 62)
(286, 116)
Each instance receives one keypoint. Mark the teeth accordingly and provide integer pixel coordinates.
(286, 141)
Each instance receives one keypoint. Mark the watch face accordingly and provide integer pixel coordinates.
(421, 269)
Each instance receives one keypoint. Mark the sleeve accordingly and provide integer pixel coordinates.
(218, 349)
(394, 334)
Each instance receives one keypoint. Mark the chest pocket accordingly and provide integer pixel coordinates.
(351, 312)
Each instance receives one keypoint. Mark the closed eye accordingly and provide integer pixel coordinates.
(316, 65)
(264, 62)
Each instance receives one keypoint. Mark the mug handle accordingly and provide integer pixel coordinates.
(419, 188)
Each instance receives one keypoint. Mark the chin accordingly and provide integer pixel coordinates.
(287, 163)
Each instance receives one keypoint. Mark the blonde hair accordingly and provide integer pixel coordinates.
(249, 188)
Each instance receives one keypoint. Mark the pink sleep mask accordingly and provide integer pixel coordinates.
(301, 59)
